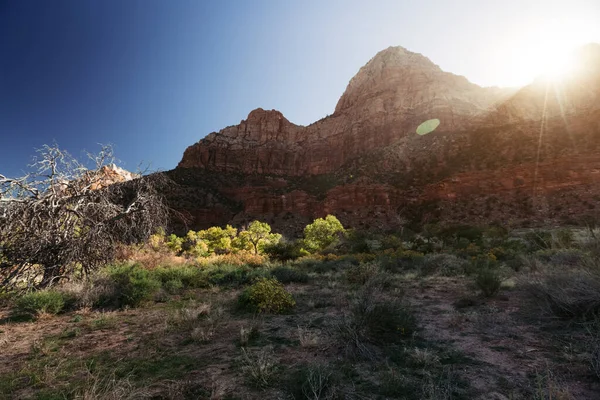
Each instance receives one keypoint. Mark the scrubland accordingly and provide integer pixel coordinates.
(435, 313)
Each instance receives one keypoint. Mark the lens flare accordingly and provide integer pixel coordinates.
(428, 126)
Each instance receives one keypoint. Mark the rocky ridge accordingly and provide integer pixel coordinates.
(527, 150)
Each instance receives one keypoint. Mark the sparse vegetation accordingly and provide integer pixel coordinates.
(368, 315)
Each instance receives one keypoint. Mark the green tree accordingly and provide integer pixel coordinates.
(194, 245)
(322, 233)
(218, 239)
(257, 236)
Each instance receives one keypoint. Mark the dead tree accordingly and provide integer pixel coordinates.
(64, 219)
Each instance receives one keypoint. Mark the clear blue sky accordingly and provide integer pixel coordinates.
(152, 77)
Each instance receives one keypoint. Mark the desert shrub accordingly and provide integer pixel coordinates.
(289, 275)
(266, 296)
(538, 240)
(443, 264)
(375, 321)
(284, 251)
(235, 276)
(132, 285)
(488, 281)
(260, 366)
(239, 259)
(356, 242)
(453, 235)
(312, 382)
(188, 275)
(561, 257)
(526, 262)
(567, 293)
(173, 285)
(481, 262)
(403, 260)
(362, 273)
(385, 321)
(42, 302)
(496, 235)
(326, 264)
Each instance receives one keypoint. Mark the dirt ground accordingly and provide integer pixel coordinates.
(502, 347)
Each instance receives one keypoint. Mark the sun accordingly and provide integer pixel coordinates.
(555, 66)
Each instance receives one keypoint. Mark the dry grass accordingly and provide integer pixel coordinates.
(259, 365)
(308, 337)
(567, 293)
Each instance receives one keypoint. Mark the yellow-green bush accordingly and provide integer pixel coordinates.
(42, 302)
(267, 296)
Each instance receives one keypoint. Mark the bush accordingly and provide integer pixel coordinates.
(374, 320)
(568, 294)
(289, 275)
(188, 276)
(362, 273)
(131, 286)
(561, 257)
(173, 286)
(443, 264)
(42, 302)
(231, 275)
(488, 281)
(284, 251)
(267, 296)
(403, 260)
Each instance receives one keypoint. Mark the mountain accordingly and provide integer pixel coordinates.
(519, 155)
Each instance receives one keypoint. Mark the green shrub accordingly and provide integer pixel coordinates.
(488, 281)
(284, 251)
(173, 286)
(267, 296)
(132, 285)
(289, 275)
(190, 276)
(235, 276)
(35, 303)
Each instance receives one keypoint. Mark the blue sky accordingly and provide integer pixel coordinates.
(152, 77)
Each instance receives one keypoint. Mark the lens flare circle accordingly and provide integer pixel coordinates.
(428, 126)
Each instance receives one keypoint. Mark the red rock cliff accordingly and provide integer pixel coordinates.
(366, 164)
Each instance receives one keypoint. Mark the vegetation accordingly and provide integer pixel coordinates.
(43, 302)
(322, 233)
(267, 296)
(244, 313)
(62, 220)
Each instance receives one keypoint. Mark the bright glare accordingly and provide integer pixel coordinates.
(541, 49)
(556, 66)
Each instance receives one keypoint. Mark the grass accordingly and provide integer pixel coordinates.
(389, 322)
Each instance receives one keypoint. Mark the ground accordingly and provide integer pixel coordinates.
(198, 344)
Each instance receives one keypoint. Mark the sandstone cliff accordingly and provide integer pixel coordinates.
(497, 153)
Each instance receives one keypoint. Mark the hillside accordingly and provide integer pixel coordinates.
(498, 154)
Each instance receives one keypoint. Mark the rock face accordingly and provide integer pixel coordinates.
(527, 154)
